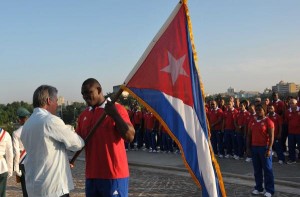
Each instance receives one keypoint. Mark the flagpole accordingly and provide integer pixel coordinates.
(93, 130)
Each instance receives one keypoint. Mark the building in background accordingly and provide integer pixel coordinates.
(286, 88)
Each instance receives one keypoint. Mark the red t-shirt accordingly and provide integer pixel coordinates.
(149, 121)
(229, 116)
(137, 117)
(279, 107)
(277, 120)
(213, 116)
(259, 129)
(130, 114)
(293, 121)
(250, 118)
(105, 152)
(242, 118)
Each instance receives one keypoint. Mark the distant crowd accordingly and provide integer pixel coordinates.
(228, 126)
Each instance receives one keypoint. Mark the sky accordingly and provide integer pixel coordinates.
(247, 45)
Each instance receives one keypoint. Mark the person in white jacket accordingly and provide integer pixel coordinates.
(19, 151)
(46, 140)
(6, 160)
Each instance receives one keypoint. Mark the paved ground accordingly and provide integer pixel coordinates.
(162, 175)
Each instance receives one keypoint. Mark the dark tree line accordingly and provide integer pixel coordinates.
(69, 113)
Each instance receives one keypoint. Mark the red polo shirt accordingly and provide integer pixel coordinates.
(105, 152)
(149, 121)
(229, 116)
(259, 129)
(293, 121)
(279, 107)
(277, 120)
(137, 117)
(242, 118)
(213, 116)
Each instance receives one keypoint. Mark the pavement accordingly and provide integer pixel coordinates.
(163, 174)
(287, 177)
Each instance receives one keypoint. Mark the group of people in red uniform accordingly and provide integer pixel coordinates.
(150, 135)
(229, 125)
(255, 130)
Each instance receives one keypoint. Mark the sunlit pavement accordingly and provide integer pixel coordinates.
(160, 174)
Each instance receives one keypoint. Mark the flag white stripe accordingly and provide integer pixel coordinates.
(196, 133)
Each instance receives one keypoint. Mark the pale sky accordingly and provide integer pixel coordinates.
(248, 45)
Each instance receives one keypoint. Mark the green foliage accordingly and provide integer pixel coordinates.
(8, 114)
(9, 119)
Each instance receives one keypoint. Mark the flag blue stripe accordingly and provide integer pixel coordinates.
(197, 93)
(198, 96)
(157, 101)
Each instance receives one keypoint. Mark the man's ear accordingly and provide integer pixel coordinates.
(99, 90)
(48, 101)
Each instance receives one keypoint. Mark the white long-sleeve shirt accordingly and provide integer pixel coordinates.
(6, 163)
(17, 147)
(46, 139)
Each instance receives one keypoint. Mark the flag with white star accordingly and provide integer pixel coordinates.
(166, 81)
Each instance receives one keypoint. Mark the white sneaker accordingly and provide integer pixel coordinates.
(286, 154)
(150, 151)
(267, 194)
(280, 162)
(237, 157)
(221, 156)
(256, 192)
(248, 159)
(227, 156)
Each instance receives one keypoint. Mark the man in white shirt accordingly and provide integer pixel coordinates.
(46, 140)
(6, 160)
(19, 151)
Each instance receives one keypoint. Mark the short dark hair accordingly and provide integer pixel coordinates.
(259, 106)
(91, 81)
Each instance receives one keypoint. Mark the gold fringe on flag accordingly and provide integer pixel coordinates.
(215, 163)
(157, 116)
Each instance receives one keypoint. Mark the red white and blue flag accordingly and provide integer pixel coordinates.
(166, 81)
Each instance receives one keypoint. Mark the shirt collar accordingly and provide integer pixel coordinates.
(215, 109)
(261, 119)
(272, 115)
(298, 109)
(99, 106)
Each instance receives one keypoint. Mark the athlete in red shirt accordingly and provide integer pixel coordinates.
(107, 171)
(215, 118)
(228, 128)
(260, 141)
(277, 120)
(293, 120)
(278, 104)
(240, 130)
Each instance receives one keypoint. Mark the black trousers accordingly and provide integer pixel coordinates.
(22, 178)
(3, 181)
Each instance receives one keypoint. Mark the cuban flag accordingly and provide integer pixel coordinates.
(166, 81)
